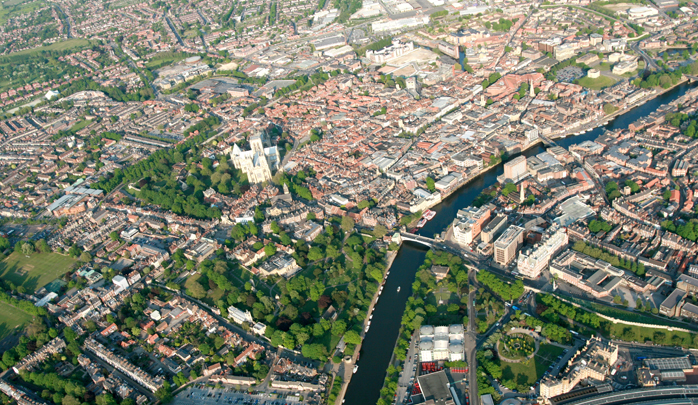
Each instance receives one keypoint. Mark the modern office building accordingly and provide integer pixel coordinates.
(468, 223)
(535, 259)
(494, 228)
(506, 246)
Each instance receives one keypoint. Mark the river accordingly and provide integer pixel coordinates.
(377, 348)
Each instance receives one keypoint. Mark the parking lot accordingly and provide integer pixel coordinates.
(203, 395)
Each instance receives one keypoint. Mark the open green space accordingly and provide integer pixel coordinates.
(525, 374)
(35, 271)
(80, 125)
(191, 34)
(14, 8)
(165, 58)
(75, 43)
(11, 319)
(597, 83)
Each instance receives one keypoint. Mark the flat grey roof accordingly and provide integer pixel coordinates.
(435, 387)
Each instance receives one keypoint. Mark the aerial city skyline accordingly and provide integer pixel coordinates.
(286, 202)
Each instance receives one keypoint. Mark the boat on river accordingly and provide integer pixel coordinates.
(429, 215)
(421, 223)
(398, 289)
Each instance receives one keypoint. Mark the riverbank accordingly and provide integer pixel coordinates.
(584, 128)
(346, 368)
(599, 122)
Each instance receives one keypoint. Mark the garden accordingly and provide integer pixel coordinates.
(517, 346)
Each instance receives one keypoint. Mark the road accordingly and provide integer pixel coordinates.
(408, 371)
(67, 21)
(513, 34)
(649, 62)
(470, 342)
(174, 31)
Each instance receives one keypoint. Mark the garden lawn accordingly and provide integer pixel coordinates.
(11, 319)
(35, 271)
(596, 84)
(525, 374)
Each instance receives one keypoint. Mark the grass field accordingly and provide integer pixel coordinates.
(11, 319)
(525, 374)
(165, 59)
(16, 8)
(596, 84)
(74, 43)
(35, 271)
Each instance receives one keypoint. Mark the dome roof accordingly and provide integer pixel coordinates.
(428, 345)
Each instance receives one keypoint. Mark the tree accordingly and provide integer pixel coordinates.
(42, 246)
(27, 249)
(196, 290)
(351, 337)
(338, 328)
(431, 185)
(315, 254)
(314, 351)
(70, 400)
(4, 244)
(270, 250)
(347, 223)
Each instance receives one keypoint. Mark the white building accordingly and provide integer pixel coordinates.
(534, 260)
(238, 315)
(397, 49)
(637, 13)
(120, 282)
(257, 163)
(441, 343)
